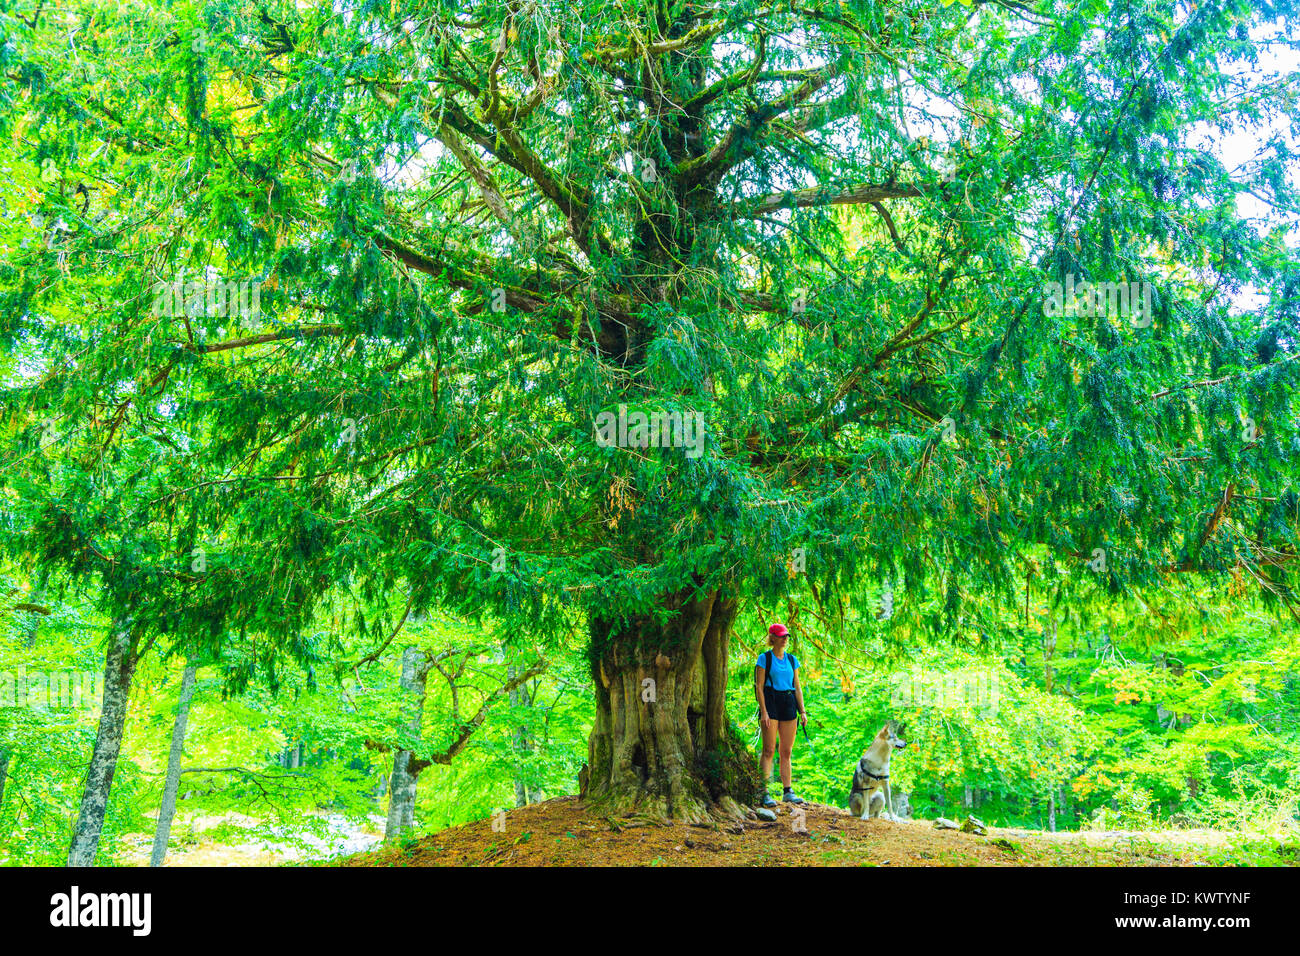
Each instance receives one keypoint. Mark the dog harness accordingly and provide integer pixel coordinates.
(873, 777)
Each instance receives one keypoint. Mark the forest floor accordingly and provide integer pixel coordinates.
(562, 832)
(234, 839)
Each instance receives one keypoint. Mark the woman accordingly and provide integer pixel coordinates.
(780, 701)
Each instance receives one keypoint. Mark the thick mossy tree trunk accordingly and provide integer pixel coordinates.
(119, 667)
(661, 744)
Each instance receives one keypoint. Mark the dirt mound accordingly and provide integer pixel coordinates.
(564, 832)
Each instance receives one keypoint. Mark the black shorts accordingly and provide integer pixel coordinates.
(781, 704)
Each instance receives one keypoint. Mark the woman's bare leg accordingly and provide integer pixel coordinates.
(769, 750)
(787, 728)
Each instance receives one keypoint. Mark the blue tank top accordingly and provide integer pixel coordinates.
(783, 669)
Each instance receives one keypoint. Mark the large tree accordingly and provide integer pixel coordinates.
(478, 230)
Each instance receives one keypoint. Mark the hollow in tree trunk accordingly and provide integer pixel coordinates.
(661, 744)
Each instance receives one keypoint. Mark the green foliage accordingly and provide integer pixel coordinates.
(48, 737)
(831, 235)
(1262, 851)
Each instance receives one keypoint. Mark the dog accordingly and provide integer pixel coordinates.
(870, 794)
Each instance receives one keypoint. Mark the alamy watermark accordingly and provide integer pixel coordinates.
(1131, 300)
(55, 690)
(75, 909)
(656, 429)
(976, 689)
(204, 294)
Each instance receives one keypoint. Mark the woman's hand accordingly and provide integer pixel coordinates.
(803, 718)
(767, 721)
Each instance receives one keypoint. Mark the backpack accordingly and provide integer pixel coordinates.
(767, 672)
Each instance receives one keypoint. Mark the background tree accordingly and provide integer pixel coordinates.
(167, 811)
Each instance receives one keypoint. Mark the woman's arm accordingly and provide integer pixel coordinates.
(760, 676)
(798, 695)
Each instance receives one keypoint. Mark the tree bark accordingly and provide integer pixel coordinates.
(119, 667)
(521, 742)
(168, 809)
(661, 743)
(401, 799)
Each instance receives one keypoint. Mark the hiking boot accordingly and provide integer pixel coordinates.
(768, 801)
(792, 797)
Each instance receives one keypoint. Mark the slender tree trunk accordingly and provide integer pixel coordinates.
(518, 741)
(1049, 649)
(661, 742)
(1051, 811)
(119, 667)
(521, 743)
(172, 784)
(401, 790)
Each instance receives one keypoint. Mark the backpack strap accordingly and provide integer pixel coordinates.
(767, 669)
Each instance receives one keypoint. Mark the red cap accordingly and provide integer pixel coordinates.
(778, 630)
